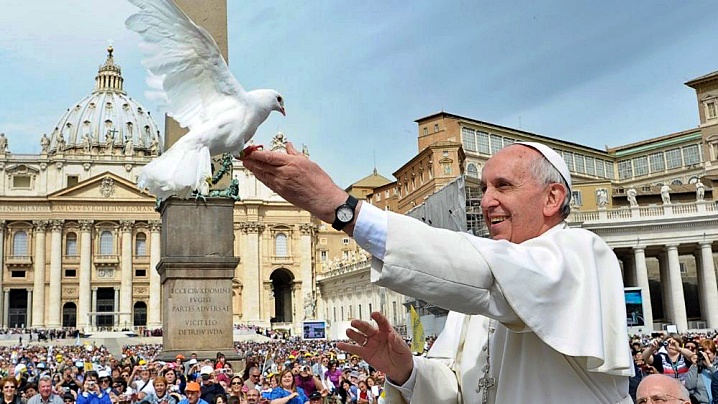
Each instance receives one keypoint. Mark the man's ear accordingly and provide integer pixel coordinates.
(555, 196)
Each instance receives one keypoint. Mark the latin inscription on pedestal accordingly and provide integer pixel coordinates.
(198, 314)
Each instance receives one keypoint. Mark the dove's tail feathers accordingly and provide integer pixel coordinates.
(179, 171)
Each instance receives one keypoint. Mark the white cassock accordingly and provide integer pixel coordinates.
(557, 302)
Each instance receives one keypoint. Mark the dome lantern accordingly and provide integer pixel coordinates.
(109, 76)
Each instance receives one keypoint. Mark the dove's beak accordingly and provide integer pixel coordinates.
(283, 111)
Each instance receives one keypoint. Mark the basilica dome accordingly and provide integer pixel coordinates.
(107, 121)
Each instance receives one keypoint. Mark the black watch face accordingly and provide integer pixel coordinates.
(345, 214)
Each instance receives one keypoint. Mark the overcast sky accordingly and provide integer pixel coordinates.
(355, 75)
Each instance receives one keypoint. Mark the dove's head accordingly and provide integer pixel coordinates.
(270, 99)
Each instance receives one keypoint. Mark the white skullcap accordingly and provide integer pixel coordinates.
(554, 158)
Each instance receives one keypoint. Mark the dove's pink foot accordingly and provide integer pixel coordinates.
(249, 150)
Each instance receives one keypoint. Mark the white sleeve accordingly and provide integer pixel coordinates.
(370, 230)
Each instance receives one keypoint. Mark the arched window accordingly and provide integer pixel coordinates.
(141, 244)
(71, 244)
(472, 171)
(140, 315)
(280, 245)
(19, 243)
(106, 247)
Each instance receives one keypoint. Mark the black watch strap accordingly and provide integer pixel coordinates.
(350, 203)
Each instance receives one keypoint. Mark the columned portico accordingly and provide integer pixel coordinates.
(641, 272)
(252, 274)
(38, 308)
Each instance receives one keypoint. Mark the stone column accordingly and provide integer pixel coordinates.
(708, 285)
(38, 309)
(6, 305)
(196, 269)
(54, 306)
(28, 309)
(85, 298)
(154, 319)
(253, 312)
(678, 314)
(125, 319)
(641, 270)
(93, 307)
(308, 302)
(116, 317)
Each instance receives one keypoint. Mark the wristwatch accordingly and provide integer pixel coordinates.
(344, 213)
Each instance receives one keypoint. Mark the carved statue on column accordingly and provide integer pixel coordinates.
(44, 144)
(87, 143)
(109, 141)
(631, 193)
(60, 143)
(154, 147)
(700, 191)
(666, 194)
(3, 143)
(129, 146)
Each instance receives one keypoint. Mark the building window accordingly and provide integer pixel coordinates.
(472, 171)
(17, 274)
(334, 310)
(590, 166)
(19, 244)
(496, 143)
(322, 241)
(673, 158)
(436, 127)
(568, 158)
(324, 255)
(609, 170)
(360, 317)
(600, 169)
(691, 155)
(280, 245)
(345, 241)
(580, 164)
(426, 131)
(21, 181)
(624, 169)
(342, 312)
(141, 245)
(140, 273)
(657, 163)
(482, 141)
(71, 244)
(72, 180)
(711, 110)
(106, 245)
(469, 139)
(640, 166)
(70, 273)
(577, 198)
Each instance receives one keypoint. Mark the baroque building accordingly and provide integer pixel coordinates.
(79, 241)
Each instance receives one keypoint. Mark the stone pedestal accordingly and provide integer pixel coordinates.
(196, 267)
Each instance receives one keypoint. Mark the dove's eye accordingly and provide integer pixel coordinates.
(279, 99)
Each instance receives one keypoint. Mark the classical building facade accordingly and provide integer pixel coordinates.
(79, 241)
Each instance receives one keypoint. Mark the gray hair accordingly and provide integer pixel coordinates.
(545, 173)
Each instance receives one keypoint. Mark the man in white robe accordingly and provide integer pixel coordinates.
(554, 295)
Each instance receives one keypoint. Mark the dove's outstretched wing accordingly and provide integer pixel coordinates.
(196, 76)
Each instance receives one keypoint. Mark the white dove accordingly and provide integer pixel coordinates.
(202, 95)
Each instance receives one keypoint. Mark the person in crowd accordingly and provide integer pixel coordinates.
(45, 394)
(364, 396)
(219, 399)
(252, 396)
(698, 381)
(68, 398)
(162, 394)
(333, 374)
(68, 381)
(668, 356)
(252, 380)
(526, 198)
(347, 392)
(28, 392)
(92, 392)
(235, 386)
(143, 385)
(659, 389)
(175, 382)
(308, 382)
(9, 391)
(210, 387)
(287, 392)
(315, 398)
(192, 391)
(105, 381)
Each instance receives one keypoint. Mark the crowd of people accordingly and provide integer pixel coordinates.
(289, 371)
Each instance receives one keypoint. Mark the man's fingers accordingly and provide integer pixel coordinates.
(363, 327)
(292, 151)
(382, 323)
